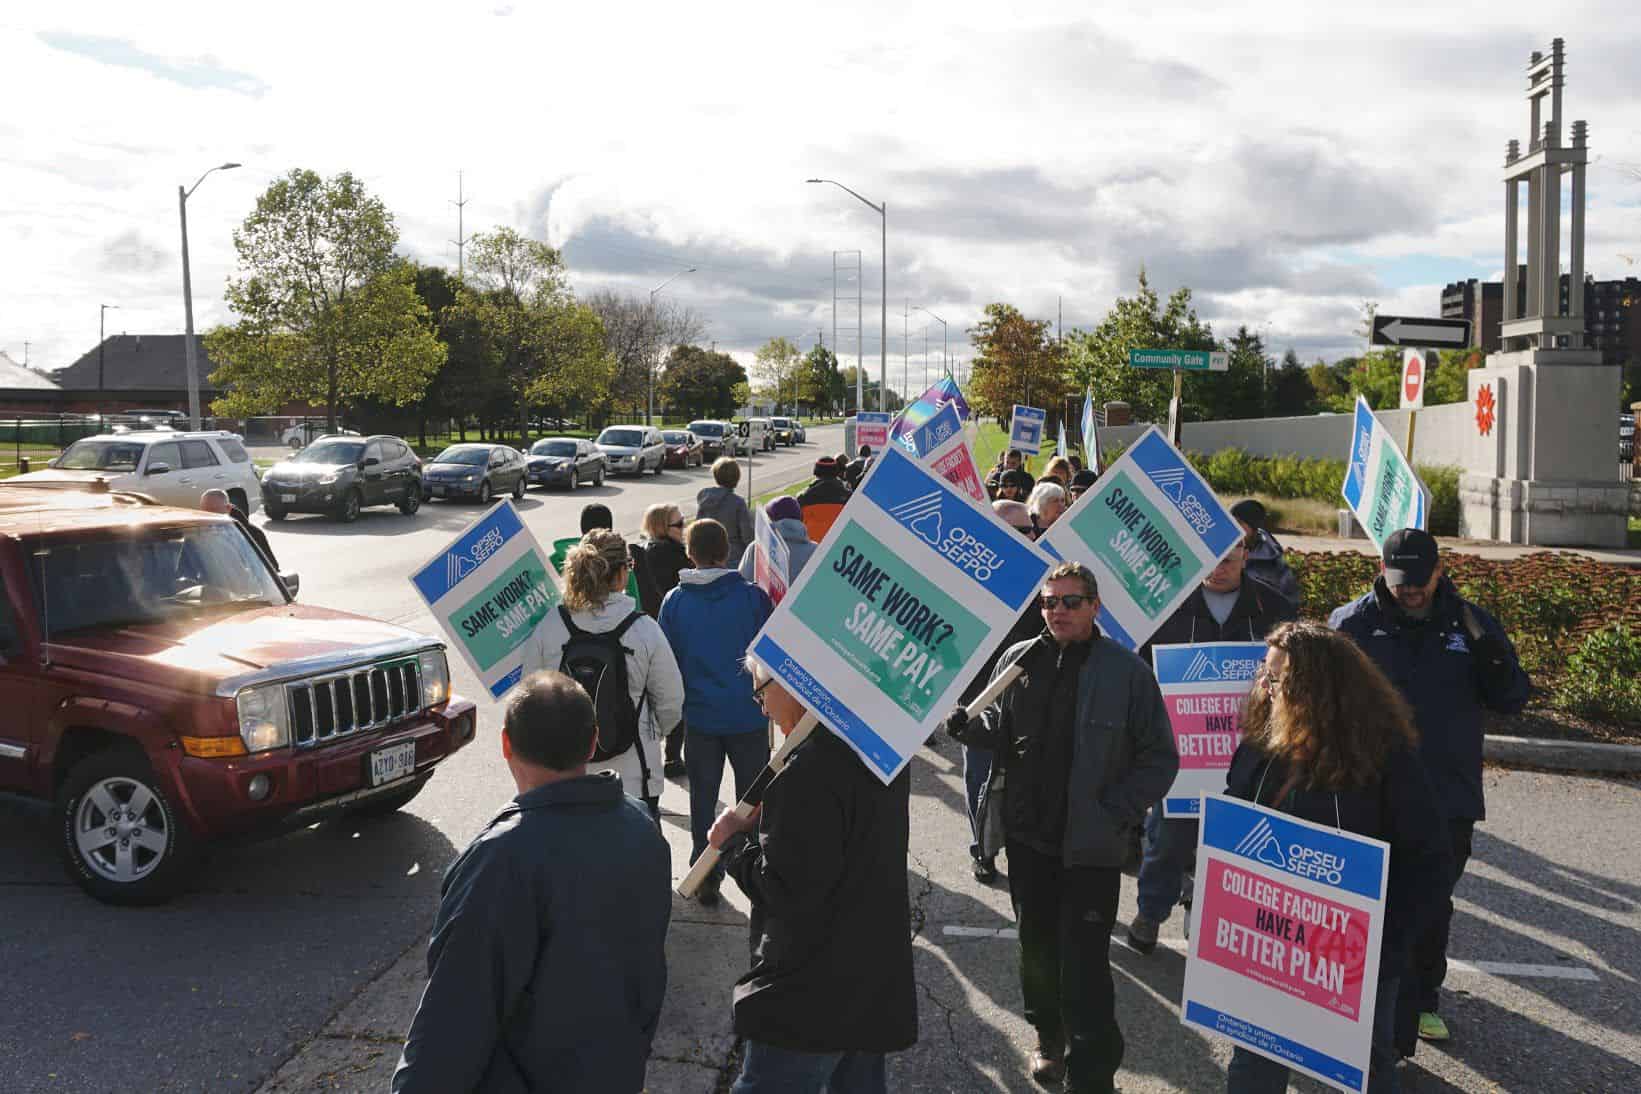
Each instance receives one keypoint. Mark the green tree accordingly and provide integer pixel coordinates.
(822, 385)
(1016, 361)
(1377, 377)
(325, 311)
(1331, 383)
(1291, 392)
(778, 368)
(1238, 392)
(1449, 375)
(1099, 358)
(701, 383)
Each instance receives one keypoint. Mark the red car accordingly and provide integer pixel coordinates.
(684, 449)
(165, 691)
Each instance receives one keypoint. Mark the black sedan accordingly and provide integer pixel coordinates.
(565, 461)
(474, 471)
(684, 449)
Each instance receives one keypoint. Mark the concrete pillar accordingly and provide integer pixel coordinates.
(1534, 240)
(1512, 214)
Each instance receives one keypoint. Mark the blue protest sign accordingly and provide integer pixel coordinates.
(1026, 429)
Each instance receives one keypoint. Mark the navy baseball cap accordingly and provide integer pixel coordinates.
(1410, 557)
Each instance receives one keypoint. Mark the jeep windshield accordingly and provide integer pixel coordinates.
(152, 575)
(333, 453)
(100, 455)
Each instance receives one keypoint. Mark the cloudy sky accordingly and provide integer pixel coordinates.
(1285, 160)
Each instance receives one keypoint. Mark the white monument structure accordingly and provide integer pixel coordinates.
(1542, 468)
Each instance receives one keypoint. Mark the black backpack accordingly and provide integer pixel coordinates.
(598, 662)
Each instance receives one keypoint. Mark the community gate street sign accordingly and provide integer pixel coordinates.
(488, 590)
(1284, 959)
(1184, 360)
(1380, 486)
(1150, 529)
(772, 561)
(1026, 429)
(897, 608)
(1204, 687)
(1403, 330)
(872, 428)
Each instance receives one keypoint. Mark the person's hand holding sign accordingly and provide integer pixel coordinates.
(730, 824)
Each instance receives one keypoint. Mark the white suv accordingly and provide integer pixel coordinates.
(170, 467)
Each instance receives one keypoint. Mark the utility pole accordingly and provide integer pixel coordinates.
(461, 235)
(25, 354)
(102, 346)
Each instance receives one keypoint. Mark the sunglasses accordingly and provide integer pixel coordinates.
(676, 524)
(1025, 530)
(1070, 602)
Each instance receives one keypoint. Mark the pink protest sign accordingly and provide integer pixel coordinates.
(771, 561)
(953, 460)
(1205, 687)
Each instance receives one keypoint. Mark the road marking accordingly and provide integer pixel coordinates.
(1510, 969)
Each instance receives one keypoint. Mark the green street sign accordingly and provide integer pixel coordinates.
(1183, 360)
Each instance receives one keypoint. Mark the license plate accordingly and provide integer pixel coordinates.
(288, 499)
(438, 491)
(393, 762)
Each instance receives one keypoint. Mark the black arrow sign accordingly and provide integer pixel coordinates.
(1402, 330)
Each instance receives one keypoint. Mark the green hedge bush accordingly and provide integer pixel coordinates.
(1603, 678)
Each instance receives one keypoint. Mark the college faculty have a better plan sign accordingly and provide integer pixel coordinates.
(898, 606)
(1284, 959)
(1150, 529)
(488, 590)
(1204, 687)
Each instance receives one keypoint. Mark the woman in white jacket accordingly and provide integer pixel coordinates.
(595, 573)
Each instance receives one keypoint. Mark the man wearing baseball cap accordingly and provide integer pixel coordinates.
(1452, 662)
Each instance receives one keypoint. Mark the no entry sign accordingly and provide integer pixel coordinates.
(1413, 376)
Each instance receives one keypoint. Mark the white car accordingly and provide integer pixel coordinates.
(631, 449)
(303, 434)
(760, 434)
(172, 468)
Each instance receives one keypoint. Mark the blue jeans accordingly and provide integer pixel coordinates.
(704, 755)
(771, 1070)
(1251, 1073)
(976, 770)
(1170, 847)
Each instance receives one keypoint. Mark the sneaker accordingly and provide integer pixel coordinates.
(1431, 1027)
(1048, 1063)
(707, 895)
(1142, 934)
(985, 869)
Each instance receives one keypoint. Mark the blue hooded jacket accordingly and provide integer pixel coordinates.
(710, 620)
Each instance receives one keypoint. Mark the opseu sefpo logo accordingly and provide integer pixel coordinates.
(1262, 845)
(922, 516)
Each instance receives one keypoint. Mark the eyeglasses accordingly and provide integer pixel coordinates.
(758, 692)
(1070, 602)
(1025, 529)
(676, 524)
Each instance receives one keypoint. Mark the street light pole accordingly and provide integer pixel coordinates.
(649, 412)
(102, 345)
(883, 313)
(945, 364)
(189, 353)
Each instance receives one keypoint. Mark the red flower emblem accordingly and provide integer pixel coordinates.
(1484, 409)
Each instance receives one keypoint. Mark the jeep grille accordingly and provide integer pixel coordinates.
(326, 708)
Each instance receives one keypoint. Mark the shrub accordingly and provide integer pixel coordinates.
(1603, 678)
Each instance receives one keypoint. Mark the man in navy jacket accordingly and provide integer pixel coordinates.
(1452, 662)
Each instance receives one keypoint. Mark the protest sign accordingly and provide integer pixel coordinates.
(1026, 429)
(488, 590)
(1380, 486)
(922, 439)
(1204, 687)
(1150, 529)
(872, 428)
(941, 394)
(897, 608)
(771, 561)
(1284, 959)
(953, 460)
(1091, 434)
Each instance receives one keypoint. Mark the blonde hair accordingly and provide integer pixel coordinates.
(658, 518)
(725, 471)
(590, 569)
(1060, 468)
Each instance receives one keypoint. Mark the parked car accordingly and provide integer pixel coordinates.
(684, 449)
(633, 448)
(341, 475)
(303, 434)
(787, 431)
(565, 461)
(165, 691)
(474, 471)
(170, 467)
(717, 438)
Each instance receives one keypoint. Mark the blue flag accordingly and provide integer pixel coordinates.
(1091, 434)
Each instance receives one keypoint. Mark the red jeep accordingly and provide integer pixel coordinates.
(164, 690)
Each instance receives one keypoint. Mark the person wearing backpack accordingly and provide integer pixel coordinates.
(600, 638)
(710, 620)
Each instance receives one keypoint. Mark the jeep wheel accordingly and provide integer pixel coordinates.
(412, 502)
(348, 511)
(392, 802)
(484, 492)
(120, 838)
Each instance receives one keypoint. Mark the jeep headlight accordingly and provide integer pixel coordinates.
(264, 719)
(435, 674)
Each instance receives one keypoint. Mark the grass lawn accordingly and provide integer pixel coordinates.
(1635, 531)
(993, 439)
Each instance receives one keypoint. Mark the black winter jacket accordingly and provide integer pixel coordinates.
(657, 563)
(1256, 613)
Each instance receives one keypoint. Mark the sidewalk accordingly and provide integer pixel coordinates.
(1620, 556)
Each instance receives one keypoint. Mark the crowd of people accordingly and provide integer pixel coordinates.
(1371, 723)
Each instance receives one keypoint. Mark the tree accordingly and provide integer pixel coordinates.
(1099, 358)
(637, 333)
(1291, 392)
(1238, 392)
(1377, 377)
(1331, 383)
(1447, 378)
(822, 381)
(1016, 361)
(701, 382)
(778, 370)
(326, 312)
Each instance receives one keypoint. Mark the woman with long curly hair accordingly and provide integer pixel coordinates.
(1326, 737)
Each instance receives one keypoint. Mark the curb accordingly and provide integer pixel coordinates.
(1563, 755)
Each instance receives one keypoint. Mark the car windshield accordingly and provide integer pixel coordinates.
(553, 448)
(783, 423)
(331, 452)
(674, 437)
(153, 576)
(706, 429)
(96, 455)
(475, 457)
(622, 438)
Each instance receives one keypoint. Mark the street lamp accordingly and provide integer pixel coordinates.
(188, 298)
(102, 342)
(944, 365)
(649, 411)
(883, 330)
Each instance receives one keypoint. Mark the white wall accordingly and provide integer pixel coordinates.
(1442, 437)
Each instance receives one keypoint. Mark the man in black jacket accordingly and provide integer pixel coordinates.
(548, 961)
(1085, 744)
(1229, 606)
(823, 860)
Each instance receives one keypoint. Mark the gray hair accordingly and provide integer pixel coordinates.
(1045, 492)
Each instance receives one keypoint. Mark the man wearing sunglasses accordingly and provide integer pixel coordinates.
(1086, 748)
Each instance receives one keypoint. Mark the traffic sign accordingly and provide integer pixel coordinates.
(1413, 378)
(1402, 330)
(1184, 360)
